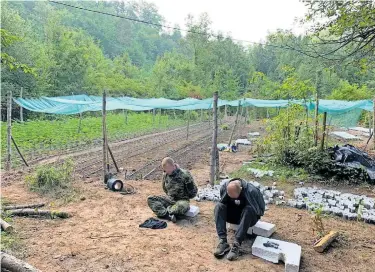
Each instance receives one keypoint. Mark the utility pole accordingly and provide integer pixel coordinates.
(214, 142)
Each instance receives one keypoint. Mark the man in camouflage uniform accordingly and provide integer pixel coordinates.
(179, 186)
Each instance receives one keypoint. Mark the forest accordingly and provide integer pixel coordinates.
(54, 50)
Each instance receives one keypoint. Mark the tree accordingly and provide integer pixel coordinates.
(350, 26)
(346, 91)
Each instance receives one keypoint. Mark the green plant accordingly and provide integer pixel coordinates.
(191, 115)
(317, 222)
(53, 180)
(42, 136)
(224, 127)
(10, 242)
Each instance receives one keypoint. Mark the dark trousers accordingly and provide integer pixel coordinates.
(246, 219)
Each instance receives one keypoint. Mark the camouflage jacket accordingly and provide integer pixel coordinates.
(179, 185)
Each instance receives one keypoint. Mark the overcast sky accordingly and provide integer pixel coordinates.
(243, 19)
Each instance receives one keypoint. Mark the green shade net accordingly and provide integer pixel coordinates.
(339, 112)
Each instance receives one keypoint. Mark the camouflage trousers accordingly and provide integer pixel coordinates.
(161, 205)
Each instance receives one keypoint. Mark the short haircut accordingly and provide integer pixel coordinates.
(236, 183)
(166, 161)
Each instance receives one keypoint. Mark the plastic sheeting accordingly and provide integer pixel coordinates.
(333, 107)
(81, 103)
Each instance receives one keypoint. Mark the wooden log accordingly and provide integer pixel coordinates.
(15, 207)
(5, 226)
(323, 243)
(35, 212)
(11, 263)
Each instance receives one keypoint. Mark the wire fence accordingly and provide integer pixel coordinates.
(41, 139)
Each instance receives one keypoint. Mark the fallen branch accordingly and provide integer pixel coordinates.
(15, 207)
(10, 263)
(5, 226)
(325, 241)
(32, 212)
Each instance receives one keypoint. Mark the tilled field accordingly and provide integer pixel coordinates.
(139, 158)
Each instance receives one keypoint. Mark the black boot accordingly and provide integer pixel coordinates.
(222, 248)
(234, 252)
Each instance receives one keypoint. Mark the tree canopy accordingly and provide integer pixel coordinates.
(51, 49)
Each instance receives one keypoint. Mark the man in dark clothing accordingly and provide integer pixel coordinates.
(241, 203)
(179, 186)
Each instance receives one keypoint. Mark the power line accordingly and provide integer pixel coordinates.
(181, 29)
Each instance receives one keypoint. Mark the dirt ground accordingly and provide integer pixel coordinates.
(103, 233)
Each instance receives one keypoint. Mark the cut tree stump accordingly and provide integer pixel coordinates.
(15, 207)
(5, 226)
(32, 212)
(10, 263)
(323, 243)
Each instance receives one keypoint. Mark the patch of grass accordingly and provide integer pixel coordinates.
(11, 243)
(4, 201)
(54, 181)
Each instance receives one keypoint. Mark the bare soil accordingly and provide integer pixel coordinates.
(103, 233)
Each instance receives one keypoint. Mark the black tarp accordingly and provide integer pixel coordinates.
(351, 157)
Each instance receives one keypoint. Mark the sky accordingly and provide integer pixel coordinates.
(249, 20)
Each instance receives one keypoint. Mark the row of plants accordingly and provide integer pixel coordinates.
(38, 138)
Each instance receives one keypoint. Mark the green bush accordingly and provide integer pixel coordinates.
(290, 140)
(56, 180)
(192, 115)
(225, 127)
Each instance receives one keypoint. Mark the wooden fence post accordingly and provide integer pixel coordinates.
(159, 118)
(105, 144)
(187, 127)
(214, 141)
(153, 117)
(317, 107)
(80, 122)
(235, 123)
(21, 108)
(373, 123)
(324, 130)
(9, 131)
